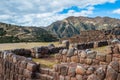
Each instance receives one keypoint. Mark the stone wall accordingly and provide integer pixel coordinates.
(89, 65)
(14, 67)
(88, 56)
(73, 71)
(89, 45)
(73, 65)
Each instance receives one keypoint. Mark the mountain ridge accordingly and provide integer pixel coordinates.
(77, 24)
(15, 33)
(67, 27)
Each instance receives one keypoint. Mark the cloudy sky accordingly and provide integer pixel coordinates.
(44, 12)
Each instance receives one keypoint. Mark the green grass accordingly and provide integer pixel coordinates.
(100, 49)
(45, 63)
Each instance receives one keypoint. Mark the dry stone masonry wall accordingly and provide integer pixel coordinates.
(89, 65)
(73, 65)
(14, 67)
(89, 56)
(89, 45)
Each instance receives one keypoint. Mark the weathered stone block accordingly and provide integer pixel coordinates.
(64, 58)
(91, 54)
(44, 71)
(79, 77)
(73, 78)
(32, 67)
(70, 52)
(82, 60)
(67, 77)
(101, 57)
(83, 54)
(90, 70)
(109, 50)
(27, 74)
(63, 70)
(100, 73)
(64, 52)
(115, 65)
(118, 77)
(88, 61)
(93, 77)
(111, 74)
(68, 59)
(71, 71)
(62, 77)
(75, 59)
(108, 58)
(80, 70)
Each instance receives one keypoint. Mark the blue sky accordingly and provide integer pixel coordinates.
(44, 12)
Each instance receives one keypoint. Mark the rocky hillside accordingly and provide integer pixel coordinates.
(72, 25)
(14, 33)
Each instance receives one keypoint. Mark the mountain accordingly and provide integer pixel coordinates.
(60, 29)
(14, 33)
(73, 25)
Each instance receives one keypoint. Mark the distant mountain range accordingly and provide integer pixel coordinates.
(73, 25)
(65, 28)
(14, 33)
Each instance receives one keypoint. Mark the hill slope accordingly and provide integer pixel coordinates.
(14, 33)
(72, 25)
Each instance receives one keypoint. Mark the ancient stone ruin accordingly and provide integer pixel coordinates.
(72, 64)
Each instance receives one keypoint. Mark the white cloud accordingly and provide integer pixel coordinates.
(117, 11)
(44, 12)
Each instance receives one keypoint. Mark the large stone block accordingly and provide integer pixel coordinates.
(116, 50)
(71, 71)
(44, 70)
(62, 77)
(108, 58)
(91, 54)
(31, 66)
(73, 78)
(101, 57)
(90, 70)
(67, 77)
(64, 52)
(43, 76)
(68, 59)
(75, 59)
(92, 77)
(115, 65)
(83, 54)
(64, 70)
(111, 74)
(27, 74)
(80, 70)
(100, 73)
(118, 77)
(82, 60)
(88, 61)
(79, 77)
(70, 52)
(109, 50)
(50, 77)
(64, 58)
